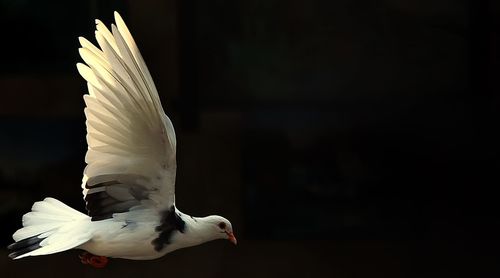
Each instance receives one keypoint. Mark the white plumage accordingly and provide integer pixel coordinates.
(129, 180)
(60, 227)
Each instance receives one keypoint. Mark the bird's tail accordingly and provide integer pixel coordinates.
(50, 227)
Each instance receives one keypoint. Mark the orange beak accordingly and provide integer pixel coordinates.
(231, 237)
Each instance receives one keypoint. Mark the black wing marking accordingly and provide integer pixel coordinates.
(111, 194)
(170, 222)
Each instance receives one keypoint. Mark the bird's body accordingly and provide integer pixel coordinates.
(117, 239)
(136, 239)
(129, 181)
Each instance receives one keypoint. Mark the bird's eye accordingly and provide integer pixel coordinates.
(222, 225)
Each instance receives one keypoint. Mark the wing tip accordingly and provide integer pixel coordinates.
(120, 23)
(81, 67)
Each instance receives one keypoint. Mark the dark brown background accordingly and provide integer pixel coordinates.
(342, 138)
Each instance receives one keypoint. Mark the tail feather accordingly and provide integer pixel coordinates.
(24, 246)
(49, 228)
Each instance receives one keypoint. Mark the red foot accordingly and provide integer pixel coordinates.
(95, 261)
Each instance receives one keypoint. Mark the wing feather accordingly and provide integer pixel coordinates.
(139, 61)
(131, 142)
(88, 45)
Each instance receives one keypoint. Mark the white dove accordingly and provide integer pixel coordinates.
(128, 184)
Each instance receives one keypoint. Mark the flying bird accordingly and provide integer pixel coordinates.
(129, 181)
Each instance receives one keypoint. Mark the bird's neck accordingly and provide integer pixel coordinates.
(198, 229)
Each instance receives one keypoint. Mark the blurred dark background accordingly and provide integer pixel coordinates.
(342, 138)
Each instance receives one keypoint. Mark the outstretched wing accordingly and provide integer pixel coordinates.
(131, 142)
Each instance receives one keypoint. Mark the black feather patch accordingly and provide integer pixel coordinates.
(112, 197)
(170, 222)
(24, 246)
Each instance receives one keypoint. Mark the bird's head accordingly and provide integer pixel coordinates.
(221, 228)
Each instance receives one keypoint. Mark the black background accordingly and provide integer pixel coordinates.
(341, 138)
